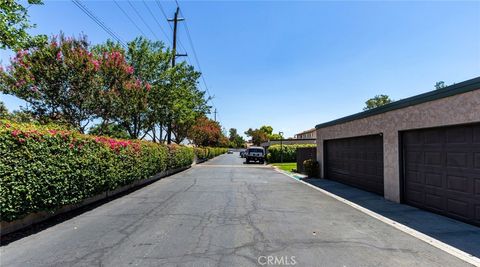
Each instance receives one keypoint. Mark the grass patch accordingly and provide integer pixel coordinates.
(286, 166)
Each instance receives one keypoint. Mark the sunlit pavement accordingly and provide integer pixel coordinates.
(224, 213)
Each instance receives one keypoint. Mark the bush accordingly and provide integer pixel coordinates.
(209, 152)
(180, 156)
(200, 152)
(43, 168)
(289, 152)
(311, 167)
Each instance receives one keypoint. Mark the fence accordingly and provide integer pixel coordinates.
(304, 153)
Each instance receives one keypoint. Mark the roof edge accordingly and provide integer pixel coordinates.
(455, 89)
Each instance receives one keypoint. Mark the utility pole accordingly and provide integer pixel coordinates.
(174, 50)
(215, 114)
(174, 56)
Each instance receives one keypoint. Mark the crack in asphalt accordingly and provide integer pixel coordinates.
(102, 251)
(223, 217)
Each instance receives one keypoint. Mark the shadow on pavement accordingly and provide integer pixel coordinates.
(40, 226)
(463, 236)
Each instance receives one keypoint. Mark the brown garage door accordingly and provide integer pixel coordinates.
(441, 170)
(356, 161)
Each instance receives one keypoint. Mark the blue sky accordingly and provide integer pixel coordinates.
(293, 65)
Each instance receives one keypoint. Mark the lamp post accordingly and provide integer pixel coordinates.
(281, 146)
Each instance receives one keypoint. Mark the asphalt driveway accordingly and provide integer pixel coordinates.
(224, 213)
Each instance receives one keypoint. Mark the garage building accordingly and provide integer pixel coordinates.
(423, 151)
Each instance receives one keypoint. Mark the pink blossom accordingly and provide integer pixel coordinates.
(59, 55)
(96, 64)
(15, 133)
(148, 86)
(130, 69)
(20, 83)
(21, 53)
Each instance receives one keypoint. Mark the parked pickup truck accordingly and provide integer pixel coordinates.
(255, 154)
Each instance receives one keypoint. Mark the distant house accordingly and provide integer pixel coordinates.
(308, 134)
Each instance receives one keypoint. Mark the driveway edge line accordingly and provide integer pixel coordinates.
(427, 239)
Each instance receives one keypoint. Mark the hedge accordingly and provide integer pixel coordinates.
(289, 152)
(43, 168)
(209, 152)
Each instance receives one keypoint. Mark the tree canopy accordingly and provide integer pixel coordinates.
(134, 90)
(14, 23)
(207, 132)
(377, 101)
(3, 110)
(235, 139)
(263, 134)
(440, 85)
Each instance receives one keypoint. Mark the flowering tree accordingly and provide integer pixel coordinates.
(124, 95)
(135, 89)
(57, 79)
(206, 132)
(151, 63)
(173, 98)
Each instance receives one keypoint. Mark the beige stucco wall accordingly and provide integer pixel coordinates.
(457, 109)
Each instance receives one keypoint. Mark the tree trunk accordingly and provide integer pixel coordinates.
(160, 138)
(154, 133)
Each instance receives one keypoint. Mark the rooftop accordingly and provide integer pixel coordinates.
(459, 88)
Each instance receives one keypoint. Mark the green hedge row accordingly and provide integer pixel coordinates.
(289, 152)
(42, 169)
(209, 152)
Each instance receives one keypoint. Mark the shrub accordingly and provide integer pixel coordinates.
(43, 168)
(289, 152)
(311, 167)
(200, 152)
(209, 152)
(180, 156)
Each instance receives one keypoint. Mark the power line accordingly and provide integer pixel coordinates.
(129, 18)
(141, 18)
(98, 22)
(163, 11)
(155, 18)
(171, 28)
(193, 49)
(196, 59)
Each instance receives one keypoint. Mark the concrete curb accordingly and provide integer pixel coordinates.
(427, 239)
(297, 176)
(33, 218)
